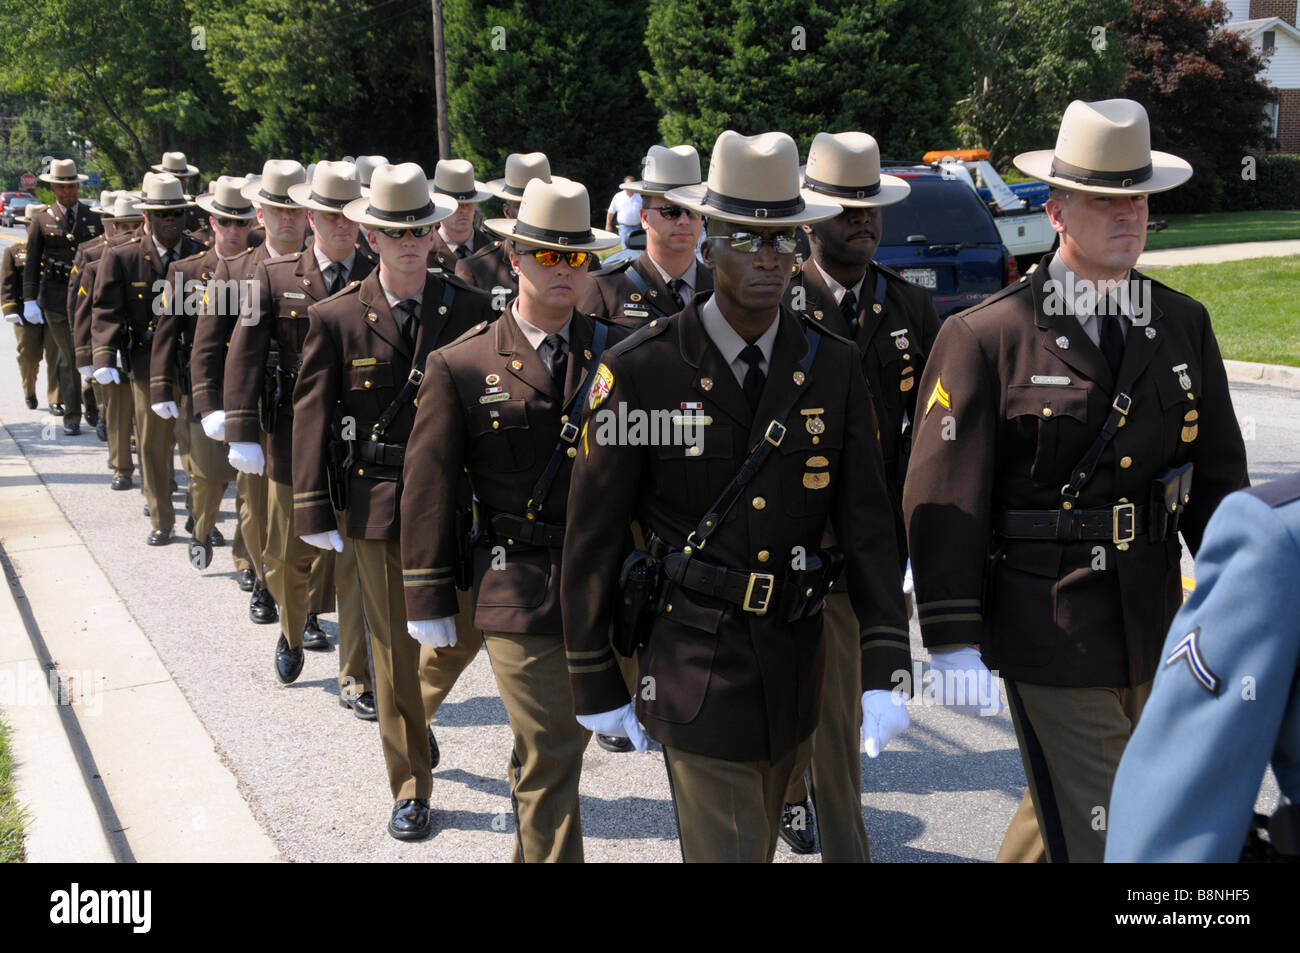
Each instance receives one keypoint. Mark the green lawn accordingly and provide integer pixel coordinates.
(1222, 228)
(1254, 305)
(12, 817)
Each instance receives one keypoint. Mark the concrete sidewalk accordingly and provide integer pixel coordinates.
(1217, 254)
(121, 768)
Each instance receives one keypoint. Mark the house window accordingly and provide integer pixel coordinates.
(1273, 111)
(1268, 41)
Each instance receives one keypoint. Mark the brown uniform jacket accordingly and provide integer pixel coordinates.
(1011, 400)
(489, 269)
(50, 252)
(504, 434)
(443, 260)
(729, 683)
(616, 296)
(354, 363)
(128, 287)
(173, 341)
(275, 320)
(11, 278)
(216, 324)
(81, 293)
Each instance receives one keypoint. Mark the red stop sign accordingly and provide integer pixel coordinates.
(28, 181)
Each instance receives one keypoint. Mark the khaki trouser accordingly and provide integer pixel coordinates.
(32, 343)
(210, 474)
(320, 583)
(1071, 740)
(250, 505)
(545, 764)
(288, 562)
(56, 324)
(154, 438)
(119, 417)
(402, 728)
(836, 744)
(1022, 844)
(354, 661)
(729, 811)
(439, 668)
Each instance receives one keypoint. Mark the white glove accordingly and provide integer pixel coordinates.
(108, 375)
(87, 372)
(884, 715)
(32, 313)
(435, 633)
(247, 457)
(13, 317)
(167, 410)
(907, 578)
(327, 540)
(965, 683)
(214, 425)
(621, 723)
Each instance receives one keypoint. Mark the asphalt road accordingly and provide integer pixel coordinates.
(943, 791)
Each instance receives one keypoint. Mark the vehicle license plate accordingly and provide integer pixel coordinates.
(920, 276)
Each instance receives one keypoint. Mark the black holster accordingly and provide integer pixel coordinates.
(338, 461)
(269, 405)
(467, 531)
(641, 582)
(183, 355)
(805, 589)
(126, 346)
(1170, 494)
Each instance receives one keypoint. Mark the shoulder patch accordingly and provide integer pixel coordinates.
(1189, 648)
(600, 386)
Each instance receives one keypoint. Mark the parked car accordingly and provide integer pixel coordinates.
(943, 238)
(13, 208)
(6, 196)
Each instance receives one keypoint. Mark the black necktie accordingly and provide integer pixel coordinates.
(334, 277)
(555, 356)
(676, 286)
(1112, 342)
(462, 251)
(849, 307)
(72, 218)
(168, 257)
(406, 314)
(754, 377)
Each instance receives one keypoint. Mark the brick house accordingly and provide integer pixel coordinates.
(1271, 25)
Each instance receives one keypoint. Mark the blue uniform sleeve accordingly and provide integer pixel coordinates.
(1187, 784)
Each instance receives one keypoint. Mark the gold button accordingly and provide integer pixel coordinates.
(1123, 421)
(759, 502)
(360, 472)
(816, 440)
(496, 425)
(669, 607)
(564, 419)
(1125, 462)
(366, 385)
(293, 314)
(764, 555)
(1047, 411)
(1067, 505)
(1122, 547)
(573, 452)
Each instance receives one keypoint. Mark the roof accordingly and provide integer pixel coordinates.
(1252, 27)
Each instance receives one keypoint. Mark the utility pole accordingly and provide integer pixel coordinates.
(440, 83)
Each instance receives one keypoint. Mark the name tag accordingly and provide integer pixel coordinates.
(1054, 381)
(493, 398)
(139, 284)
(636, 313)
(364, 361)
(691, 420)
(293, 294)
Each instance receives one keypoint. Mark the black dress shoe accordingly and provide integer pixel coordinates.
(92, 417)
(56, 410)
(434, 754)
(215, 538)
(411, 819)
(160, 537)
(247, 580)
(797, 827)
(261, 608)
(31, 401)
(173, 489)
(288, 662)
(615, 743)
(313, 636)
(101, 430)
(200, 554)
(72, 430)
(189, 525)
(121, 482)
(362, 705)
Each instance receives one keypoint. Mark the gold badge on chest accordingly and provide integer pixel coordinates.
(1191, 427)
(812, 420)
(817, 473)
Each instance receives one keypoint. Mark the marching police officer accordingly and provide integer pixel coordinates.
(32, 336)
(79, 292)
(458, 236)
(489, 267)
(1068, 428)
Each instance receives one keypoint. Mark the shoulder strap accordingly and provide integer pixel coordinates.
(772, 437)
(569, 432)
(413, 379)
(638, 280)
(1084, 469)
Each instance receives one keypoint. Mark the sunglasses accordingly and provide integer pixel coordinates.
(549, 258)
(673, 212)
(233, 222)
(418, 231)
(784, 243)
(174, 213)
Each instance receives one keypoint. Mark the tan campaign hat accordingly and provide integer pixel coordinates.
(554, 214)
(332, 187)
(845, 168)
(754, 180)
(226, 200)
(366, 166)
(521, 168)
(663, 169)
(272, 188)
(63, 172)
(106, 200)
(30, 211)
(1105, 148)
(164, 192)
(176, 164)
(455, 177)
(127, 209)
(399, 198)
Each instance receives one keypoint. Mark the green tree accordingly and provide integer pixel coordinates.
(1031, 58)
(887, 67)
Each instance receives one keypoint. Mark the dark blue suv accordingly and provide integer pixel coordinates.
(942, 237)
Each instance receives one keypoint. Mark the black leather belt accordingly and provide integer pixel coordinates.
(1121, 523)
(521, 531)
(752, 591)
(383, 454)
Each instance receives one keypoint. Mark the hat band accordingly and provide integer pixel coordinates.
(388, 216)
(231, 209)
(727, 203)
(458, 196)
(65, 178)
(1063, 170)
(664, 186)
(842, 191)
(333, 203)
(273, 197)
(179, 201)
(524, 230)
(513, 190)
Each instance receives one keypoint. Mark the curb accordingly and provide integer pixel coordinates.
(1275, 375)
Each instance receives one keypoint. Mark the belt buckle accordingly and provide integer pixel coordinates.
(569, 432)
(775, 433)
(1130, 532)
(769, 583)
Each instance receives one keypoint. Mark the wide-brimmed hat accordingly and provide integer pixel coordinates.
(226, 200)
(164, 192)
(175, 163)
(272, 188)
(1105, 148)
(127, 209)
(664, 169)
(845, 168)
(754, 180)
(455, 178)
(106, 199)
(554, 214)
(30, 211)
(63, 172)
(332, 187)
(521, 168)
(366, 166)
(399, 198)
